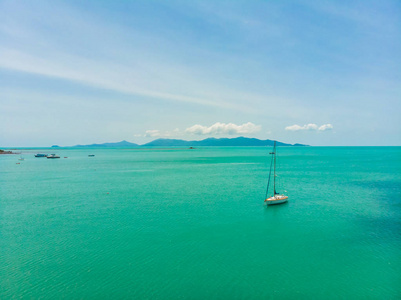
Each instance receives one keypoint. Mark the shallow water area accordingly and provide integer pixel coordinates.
(168, 223)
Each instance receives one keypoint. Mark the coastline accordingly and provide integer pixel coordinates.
(6, 152)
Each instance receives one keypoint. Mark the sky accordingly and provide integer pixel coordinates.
(323, 73)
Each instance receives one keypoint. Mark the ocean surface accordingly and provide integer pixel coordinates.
(174, 223)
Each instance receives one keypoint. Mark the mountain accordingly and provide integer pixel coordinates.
(121, 144)
(239, 141)
(169, 142)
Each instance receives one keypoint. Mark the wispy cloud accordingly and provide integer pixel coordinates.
(55, 42)
(107, 76)
(64, 42)
(223, 128)
(311, 126)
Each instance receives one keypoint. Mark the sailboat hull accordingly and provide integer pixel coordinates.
(276, 200)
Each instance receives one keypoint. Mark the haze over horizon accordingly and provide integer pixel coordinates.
(309, 72)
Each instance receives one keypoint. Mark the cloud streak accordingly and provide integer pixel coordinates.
(223, 128)
(310, 127)
(85, 71)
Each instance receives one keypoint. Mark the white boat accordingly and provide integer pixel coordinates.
(276, 198)
(53, 156)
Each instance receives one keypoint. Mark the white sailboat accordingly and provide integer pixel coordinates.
(276, 198)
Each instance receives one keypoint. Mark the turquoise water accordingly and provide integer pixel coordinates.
(190, 224)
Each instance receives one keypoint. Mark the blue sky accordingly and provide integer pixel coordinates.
(314, 72)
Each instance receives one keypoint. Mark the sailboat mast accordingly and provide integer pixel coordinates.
(274, 174)
(270, 173)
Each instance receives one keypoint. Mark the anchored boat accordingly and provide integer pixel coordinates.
(276, 198)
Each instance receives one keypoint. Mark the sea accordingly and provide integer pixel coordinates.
(179, 223)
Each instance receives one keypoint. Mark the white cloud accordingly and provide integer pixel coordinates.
(159, 133)
(223, 128)
(310, 126)
(305, 127)
(325, 127)
(152, 133)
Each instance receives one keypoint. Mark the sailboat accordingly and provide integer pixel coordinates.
(276, 197)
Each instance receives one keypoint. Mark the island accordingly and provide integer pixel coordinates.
(219, 142)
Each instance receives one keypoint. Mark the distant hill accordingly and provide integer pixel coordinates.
(121, 144)
(239, 141)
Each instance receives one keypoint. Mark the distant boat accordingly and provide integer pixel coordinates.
(53, 156)
(276, 198)
(40, 155)
(91, 155)
(21, 158)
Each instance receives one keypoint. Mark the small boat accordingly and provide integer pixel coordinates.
(40, 155)
(53, 156)
(275, 198)
(21, 158)
(91, 155)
